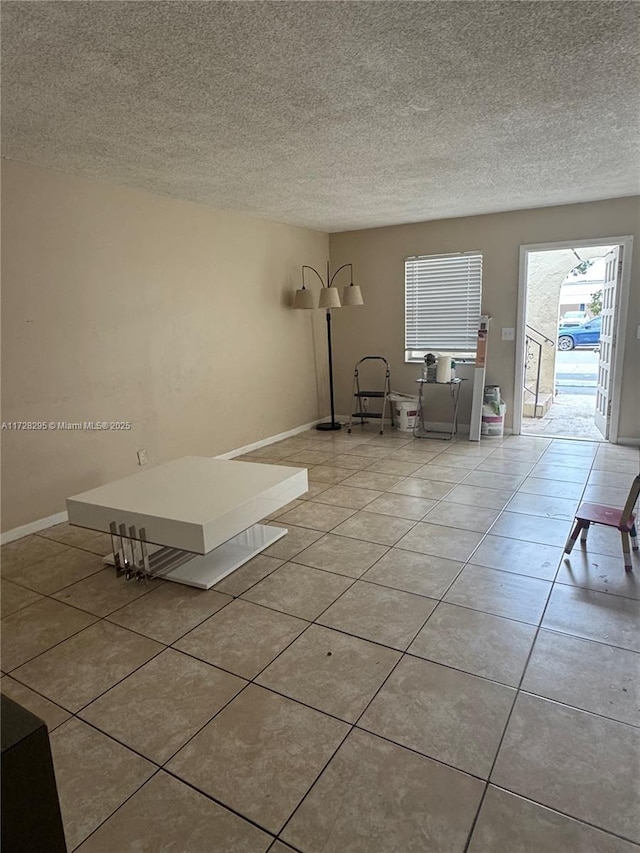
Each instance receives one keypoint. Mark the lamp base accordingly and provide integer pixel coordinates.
(330, 426)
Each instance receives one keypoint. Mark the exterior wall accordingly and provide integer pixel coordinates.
(576, 297)
(121, 305)
(378, 257)
(573, 306)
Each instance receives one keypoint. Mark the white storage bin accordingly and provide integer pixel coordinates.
(493, 420)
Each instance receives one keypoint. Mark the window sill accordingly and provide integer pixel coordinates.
(466, 358)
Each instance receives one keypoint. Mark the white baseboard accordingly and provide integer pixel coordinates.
(439, 426)
(59, 517)
(443, 426)
(264, 442)
(628, 441)
(32, 527)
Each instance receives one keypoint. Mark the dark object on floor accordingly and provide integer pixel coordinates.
(31, 821)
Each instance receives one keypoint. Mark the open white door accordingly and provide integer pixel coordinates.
(607, 340)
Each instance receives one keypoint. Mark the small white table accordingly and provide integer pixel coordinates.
(419, 429)
(193, 520)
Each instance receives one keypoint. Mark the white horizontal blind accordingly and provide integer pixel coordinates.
(443, 295)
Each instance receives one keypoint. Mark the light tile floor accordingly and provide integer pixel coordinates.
(414, 667)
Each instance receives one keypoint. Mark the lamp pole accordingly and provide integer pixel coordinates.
(328, 300)
(333, 425)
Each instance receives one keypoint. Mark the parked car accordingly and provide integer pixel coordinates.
(587, 334)
(574, 318)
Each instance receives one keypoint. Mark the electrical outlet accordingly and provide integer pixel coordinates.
(508, 334)
(142, 457)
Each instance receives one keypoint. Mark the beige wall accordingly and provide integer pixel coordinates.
(378, 257)
(120, 305)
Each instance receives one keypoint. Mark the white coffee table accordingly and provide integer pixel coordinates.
(193, 520)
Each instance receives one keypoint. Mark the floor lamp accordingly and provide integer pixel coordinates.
(329, 298)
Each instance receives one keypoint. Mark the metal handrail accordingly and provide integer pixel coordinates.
(542, 335)
(530, 340)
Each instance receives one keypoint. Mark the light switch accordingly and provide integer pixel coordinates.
(638, 333)
(508, 334)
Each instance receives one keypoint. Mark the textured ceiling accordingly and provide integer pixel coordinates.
(333, 115)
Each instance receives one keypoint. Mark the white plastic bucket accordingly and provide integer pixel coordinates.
(404, 415)
(493, 421)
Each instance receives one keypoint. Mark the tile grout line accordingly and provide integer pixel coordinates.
(139, 788)
(511, 712)
(257, 675)
(162, 766)
(570, 817)
(350, 725)
(105, 617)
(509, 716)
(518, 690)
(402, 653)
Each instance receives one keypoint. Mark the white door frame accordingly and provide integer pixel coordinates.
(620, 326)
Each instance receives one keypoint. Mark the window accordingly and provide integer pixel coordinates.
(443, 295)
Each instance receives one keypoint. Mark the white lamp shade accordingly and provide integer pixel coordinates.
(304, 299)
(329, 298)
(352, 295)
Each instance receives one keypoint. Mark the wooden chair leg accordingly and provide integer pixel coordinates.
(634, 538)
(626, 550)
(585, 530)
(571, 541)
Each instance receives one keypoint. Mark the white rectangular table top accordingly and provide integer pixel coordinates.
(195, 503)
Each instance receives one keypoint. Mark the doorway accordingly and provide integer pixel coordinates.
(570, 298)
